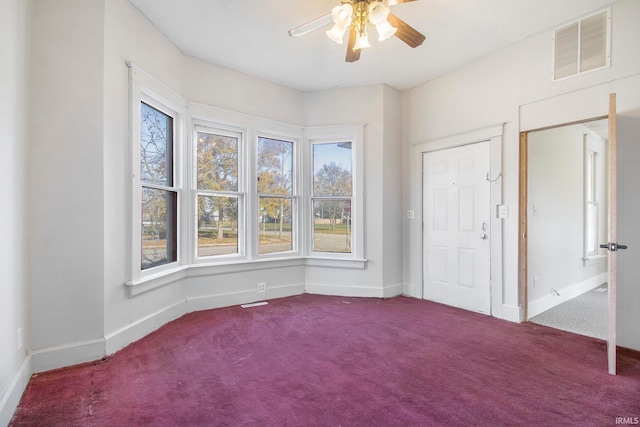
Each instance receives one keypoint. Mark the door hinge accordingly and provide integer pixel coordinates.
(613, 247)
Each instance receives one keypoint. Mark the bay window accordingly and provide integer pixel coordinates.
(211, 187)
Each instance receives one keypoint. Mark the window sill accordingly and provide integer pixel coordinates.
(167, 277)
(157, 280)
(593, 259)
(359, 264)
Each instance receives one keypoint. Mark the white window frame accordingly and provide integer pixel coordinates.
(296, 236)
(251, 127)
(144, 88)
(240, 193)
(593, 152)
(336, 134)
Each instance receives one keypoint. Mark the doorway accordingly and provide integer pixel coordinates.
(567, 221)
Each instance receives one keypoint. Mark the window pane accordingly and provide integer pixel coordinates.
(591, 177)
(592, 228)
(332, 225)
(159, 227)
(156, 146)
(217, 162)
(217, 225)
(332, 169)
(275, 166)
(275, 223)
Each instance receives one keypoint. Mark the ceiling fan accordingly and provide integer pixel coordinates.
(357, 16)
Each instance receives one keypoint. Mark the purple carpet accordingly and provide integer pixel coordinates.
(315, 360)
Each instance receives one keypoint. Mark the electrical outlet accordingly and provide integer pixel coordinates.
(262, 287)
(535, 282)
(411, 214)
(20, 339)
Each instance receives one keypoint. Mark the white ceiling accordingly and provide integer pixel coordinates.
(251, 36)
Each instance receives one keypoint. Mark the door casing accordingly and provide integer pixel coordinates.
(494, 134)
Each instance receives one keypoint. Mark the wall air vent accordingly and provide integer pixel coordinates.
(582, 46)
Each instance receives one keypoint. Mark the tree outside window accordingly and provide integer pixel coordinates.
(218, 197)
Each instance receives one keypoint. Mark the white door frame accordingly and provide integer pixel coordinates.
(493, 134)
(572, 107)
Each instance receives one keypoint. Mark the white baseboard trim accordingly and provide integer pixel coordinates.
(512, 313)
(411, 290)
(208, 302)
(46, 359)
(11, 398)
(549, 301)
(390, 291)
(344, 291)
(134, 331)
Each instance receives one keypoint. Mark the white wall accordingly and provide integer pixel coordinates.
(556, 219)
(376, 107)
(500, 88)
(65, 193)
(14, 364)
(392, 213)
(79, 197)
(129, 36)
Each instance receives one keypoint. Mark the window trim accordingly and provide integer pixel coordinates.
(334, 134)
(144, 88)
(295, 196)
(240, 193)
(593, 144)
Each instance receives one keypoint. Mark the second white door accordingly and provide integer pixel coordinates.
(456, 236)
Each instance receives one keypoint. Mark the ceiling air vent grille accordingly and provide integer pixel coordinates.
(582, 46)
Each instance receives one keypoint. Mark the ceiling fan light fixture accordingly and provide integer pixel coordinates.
(337, 33)
(358, 16)
(385, 30)
(341, 15)
(362, 41)
(378, 12)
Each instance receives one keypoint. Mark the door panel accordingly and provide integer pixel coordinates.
(628, 284)
(456, 265)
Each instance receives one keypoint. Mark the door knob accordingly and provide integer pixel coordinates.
(484, 236)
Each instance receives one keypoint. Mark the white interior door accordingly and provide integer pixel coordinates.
(627, 302)
(456, 227)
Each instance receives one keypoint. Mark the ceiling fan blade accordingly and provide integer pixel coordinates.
(314, 24)
(394, 2)
(352, 54)
(406, 32)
